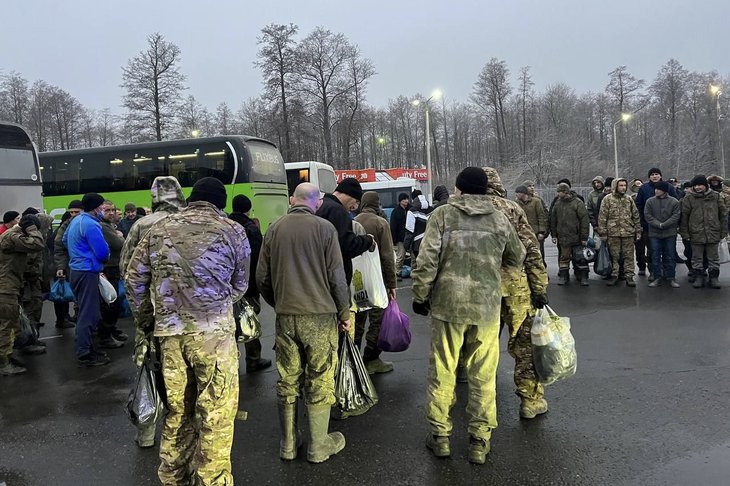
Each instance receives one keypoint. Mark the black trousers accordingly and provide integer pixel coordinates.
(110, 312)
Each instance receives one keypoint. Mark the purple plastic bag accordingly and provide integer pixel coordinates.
(395, 331)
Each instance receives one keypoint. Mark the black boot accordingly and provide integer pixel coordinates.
(583, 277)
(691, 275)
(563, 276)
(714, 275)
(699, 281)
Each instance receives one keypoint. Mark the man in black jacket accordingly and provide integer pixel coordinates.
(335, 209)
(241, 207)
(398, 230)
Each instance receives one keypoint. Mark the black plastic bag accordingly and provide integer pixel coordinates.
(27, 334)
(603, 266)
(354, 391)
(145, 404)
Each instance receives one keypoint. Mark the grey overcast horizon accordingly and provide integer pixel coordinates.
(416, 46)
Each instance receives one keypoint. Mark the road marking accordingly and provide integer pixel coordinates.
(43, 339)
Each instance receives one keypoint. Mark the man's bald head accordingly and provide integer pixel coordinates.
(306, 194)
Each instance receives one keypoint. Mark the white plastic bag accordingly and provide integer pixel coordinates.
(724, 252)
(107, 290)
(553, 347)
(367, 288)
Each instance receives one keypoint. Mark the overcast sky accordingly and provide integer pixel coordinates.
(416, 46)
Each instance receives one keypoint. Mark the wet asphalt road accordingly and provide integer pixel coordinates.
(647, 406)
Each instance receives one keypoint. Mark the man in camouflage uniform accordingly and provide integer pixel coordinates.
(466, 242)
(167, 199)
(523, 290)
(302, 276)
(15, 244)
(188, 270)
(537, 216)
(619, 225)
(569, 228)
(592, 200)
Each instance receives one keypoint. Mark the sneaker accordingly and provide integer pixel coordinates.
(257, 365)
(110, 343)
(17, 361)
(478, 450)
(439, 445)
(630, 282)
(377, 366)
(655, 283)
(119, 335)
(65, 324)
(612, 281)
(34, 349)
(10, 369)
(92, 359)
(673, 284)
(529, 409)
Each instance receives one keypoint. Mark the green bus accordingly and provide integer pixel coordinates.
(124, 173)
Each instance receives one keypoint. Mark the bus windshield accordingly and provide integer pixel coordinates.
(18, 164)
(267, 164)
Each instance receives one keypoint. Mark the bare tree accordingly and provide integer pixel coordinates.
(192, 119)
(622, 86)
(490, 94)
(223, 119)
(154, 84)
(14, 98)
(669, 92)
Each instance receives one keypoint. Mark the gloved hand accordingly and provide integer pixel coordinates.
(539, 300)
(422, 308)
(27, 221)
(141, 346)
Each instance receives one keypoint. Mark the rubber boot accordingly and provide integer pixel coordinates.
(699, 279)
(321, 444)
(714, 275)
(563, 276)
(290, 438)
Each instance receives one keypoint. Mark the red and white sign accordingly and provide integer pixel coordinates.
(365, 175)
(417, 174)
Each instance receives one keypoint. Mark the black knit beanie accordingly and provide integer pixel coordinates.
(9, 216)
(75, 204)
(654, 170)
(351, 187)
(211, 190)
(30, 211)
(662, 186)
(522, 190)
(472, 180)
(92, 201)
(700, 180)
(241, 204)
(565, 181)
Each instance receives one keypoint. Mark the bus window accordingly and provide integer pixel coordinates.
(266, 164)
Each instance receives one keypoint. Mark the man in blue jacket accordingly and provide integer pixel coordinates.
(88, 250)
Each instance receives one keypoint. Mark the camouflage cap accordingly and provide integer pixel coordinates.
(166, 189)
(494, 182)
(563, 187)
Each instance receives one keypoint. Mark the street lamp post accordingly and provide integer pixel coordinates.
(715, 90)
(624, 118)
(434, 96)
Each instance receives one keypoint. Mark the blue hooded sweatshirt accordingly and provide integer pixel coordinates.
(85, 243)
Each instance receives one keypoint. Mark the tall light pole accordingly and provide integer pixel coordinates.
(434, 96)
(716, 91)
(624, 118)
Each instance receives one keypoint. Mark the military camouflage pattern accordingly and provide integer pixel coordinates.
(201, 379)
(704, 217)
(9, 324)
(306, 345)
(60, 252)
(480, 348)
(375, 316)
(622, 246)
(33, 276)
(167, 198)
(465, 244)
(536, 213)
(532, 276)
(520, 348)
(33, 299)
(569, 221)
(188, 270)
(618, 216)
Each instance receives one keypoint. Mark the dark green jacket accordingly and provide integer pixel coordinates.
(569, 221)
(704, 217)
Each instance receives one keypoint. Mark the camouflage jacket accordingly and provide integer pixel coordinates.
(704, 217)
(60, 252)
(35, 261)
(532, 276)
(188, 270)
(167, 198)
(536, 213)
(619, 216)
(465, 244)
(15, 245)
(569, 220)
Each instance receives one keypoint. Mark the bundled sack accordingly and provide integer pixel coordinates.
(583, 255)
(354, 391)
(248, 326)
(27, 333)
(107, 290)
(395, 331)
(553, 347)
(145, 404)
(603, 265)
(61, 291)
(367, 287)
(724, 252)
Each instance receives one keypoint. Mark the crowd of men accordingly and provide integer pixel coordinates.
(477, 262)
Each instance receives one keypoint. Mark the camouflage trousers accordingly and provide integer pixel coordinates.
(622, 246)
(306, 345)
(201, 377)
(517, 315)
(375, 316)
(481, 356)
(9, 323)
(565, 256)
(33, 299)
